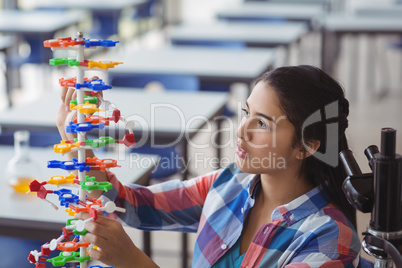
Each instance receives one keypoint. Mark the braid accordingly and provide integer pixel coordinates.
(343, 114)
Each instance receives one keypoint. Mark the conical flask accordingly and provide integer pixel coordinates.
(21, 169)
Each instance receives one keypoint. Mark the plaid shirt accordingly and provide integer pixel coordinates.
(307, 232)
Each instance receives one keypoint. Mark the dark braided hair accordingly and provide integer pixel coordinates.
(316, 106)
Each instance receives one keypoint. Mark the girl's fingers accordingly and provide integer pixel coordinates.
(112, 244)
(63, 93)
(104, 221)
(68, 97)
(82, 215)
(95, 254)
(64, 90)
(68, 94)
(74, 96)
(96, 240)
(101, 255)
(98, 232)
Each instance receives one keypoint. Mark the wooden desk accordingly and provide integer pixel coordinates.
(263, 11)
(208, 64)
(27, 216)
(251, 34)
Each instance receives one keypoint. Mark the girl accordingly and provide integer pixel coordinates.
(279, 205)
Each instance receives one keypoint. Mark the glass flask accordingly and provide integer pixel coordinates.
(21, 169)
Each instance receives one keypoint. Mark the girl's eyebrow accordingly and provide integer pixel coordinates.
(262, 115)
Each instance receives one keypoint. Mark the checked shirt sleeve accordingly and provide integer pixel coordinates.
(173, 205)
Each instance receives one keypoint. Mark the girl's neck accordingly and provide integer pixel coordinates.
(282, 188)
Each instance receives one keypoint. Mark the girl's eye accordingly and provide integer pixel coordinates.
(245, 112)
(262, 124)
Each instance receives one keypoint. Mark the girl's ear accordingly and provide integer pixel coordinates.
(307, 148)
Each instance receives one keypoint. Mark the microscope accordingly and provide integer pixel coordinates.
(378, 193)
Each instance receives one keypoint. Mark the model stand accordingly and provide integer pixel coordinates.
(73, 249)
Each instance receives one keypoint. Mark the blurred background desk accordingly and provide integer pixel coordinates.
(33, 27)
(27, 216)
(239, 35)
(337, 26)
(276, 14)
(375, 9)
(42, 23)
(246, 33)
(160, 117)
(105, 13)
(210, 65)
(266, 12)
(328, 5)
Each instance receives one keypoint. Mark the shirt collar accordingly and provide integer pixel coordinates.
(301, 207)
(255, 181)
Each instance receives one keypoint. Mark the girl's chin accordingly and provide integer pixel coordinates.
(241, 160)
(243, 164)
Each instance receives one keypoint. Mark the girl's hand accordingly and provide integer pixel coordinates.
(63, 113)
(66, 95)
(115, 248)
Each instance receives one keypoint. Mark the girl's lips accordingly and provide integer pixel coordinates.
(240, 152)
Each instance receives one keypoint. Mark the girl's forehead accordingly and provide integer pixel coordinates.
(264, 99)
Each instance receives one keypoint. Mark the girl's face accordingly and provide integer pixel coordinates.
(265, 136)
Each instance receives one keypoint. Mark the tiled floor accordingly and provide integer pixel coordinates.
(368, 114)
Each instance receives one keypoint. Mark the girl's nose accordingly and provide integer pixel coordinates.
(241, 131)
